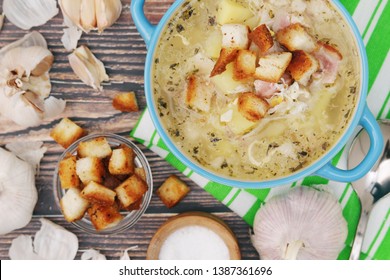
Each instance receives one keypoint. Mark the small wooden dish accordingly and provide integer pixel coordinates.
(193, 219)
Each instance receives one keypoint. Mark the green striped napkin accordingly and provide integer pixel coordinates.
(372, 18)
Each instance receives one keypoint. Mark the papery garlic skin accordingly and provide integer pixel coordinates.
(303, 224)
(18, 194)
(91, 14)
(92, 255)
(51, 242)
(88, 68)
(26, 14)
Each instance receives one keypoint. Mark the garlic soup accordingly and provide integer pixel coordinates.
(256, 90)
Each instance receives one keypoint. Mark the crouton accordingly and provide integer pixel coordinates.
(295, 37)
(125, 102)
(121, 162)
(96, 193)
(252, 107)
(172, 191)
(235, 36)
(244, 65)
(225, 57)
(140, 172)
(302, 66)
(198, 96)
(111, 181)
(66, 132)
(73, 206)
(104, 216)
(131, 190)
(262, 37)
(90, 169)
(97, 147)
(135, 205)
(67, 173)
(272, 66)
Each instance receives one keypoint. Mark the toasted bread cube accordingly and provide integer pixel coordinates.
(262, 37)
(131, 190)
(302, 66)
(67, 173)
(73, 206)
(125, 102)
(252, 107)
(197, 95)
(98, 148)
(111, 181)
(225, 57)
(244, 65)
(172, 191)
(121, 162)
(90, 169)
(230, 11)
(66, 132)
(96, 193)
(104, 216)
(135, 205)
(235, 36)
(140, 172)
(295, 37)
(272, 66)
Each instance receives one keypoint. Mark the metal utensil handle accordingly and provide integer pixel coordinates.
(359, 237)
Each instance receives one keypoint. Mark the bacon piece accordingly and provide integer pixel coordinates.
(329, 58)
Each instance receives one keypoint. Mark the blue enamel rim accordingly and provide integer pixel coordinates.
(321, 166)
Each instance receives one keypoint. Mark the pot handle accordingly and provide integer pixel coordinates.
(145, 28)
(369, 123)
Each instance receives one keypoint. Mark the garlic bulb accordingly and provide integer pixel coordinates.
(302, 224)
(26, 14)
(91, 14)
(18, 194)
(87, 67)
(51, 242)
(92, 255)
(30, 152)
(25, 81)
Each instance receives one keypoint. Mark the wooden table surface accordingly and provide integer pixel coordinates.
(123, 52)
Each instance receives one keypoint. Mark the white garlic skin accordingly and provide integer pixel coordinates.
(304, 217)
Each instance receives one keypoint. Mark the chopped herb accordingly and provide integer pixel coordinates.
(352, 90)
(173, 66)
(157, 61)
(224, 164)
(303, 153)
(187, 13)
(179, 28)
(212, 21)
(196, 150)
(325, 146)
(162, 103)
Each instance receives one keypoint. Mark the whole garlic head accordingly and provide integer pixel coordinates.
(301, 224)
(91, 14)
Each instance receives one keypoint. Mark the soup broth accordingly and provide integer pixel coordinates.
(254, 128)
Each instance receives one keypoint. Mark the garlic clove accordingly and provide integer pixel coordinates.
(88, 68)
(301, 224)
(30, 152)
(22, 249)
(17, 192)
(107, 13)
(88, 16)
(71, 37)
(53, 242)
(71, 11)
(27, 14)
(53, 107)
(93, 255)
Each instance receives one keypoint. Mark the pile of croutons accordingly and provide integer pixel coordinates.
(99, 179)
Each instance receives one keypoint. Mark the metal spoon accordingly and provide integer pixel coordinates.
(372, 187)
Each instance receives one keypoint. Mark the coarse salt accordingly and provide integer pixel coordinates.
(194, 243)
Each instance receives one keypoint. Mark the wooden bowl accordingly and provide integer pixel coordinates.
(193, 219)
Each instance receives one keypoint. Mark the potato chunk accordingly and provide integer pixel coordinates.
(73, 206)
(96, 193)
(66, 132)
(104, 217)
(172, 191)
(98, 148)
(67, 173)
(231, 12)
(125, 102)
(131, 190)
(272, 66)
(90, 169)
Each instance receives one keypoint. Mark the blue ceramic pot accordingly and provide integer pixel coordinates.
(322, 167)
